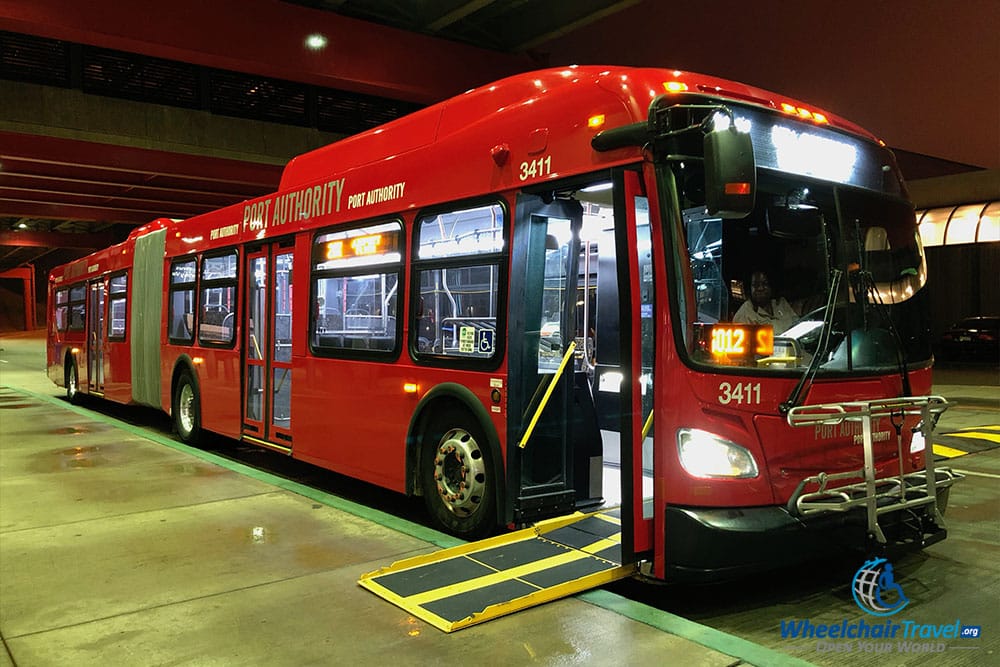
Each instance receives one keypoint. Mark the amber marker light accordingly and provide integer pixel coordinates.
(803, 113)
(410, 387)
(595, 122)
(675, 86)
(198, 360)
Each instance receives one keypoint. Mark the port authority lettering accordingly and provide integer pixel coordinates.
(301, 204)
(376, 195)
(850, 429)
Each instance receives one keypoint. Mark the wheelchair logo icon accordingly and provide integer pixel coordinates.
(484, 342)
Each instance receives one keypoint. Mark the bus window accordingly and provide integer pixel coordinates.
(356, 274)
(457, 269)
(77, 307)
(218, 300)
(62, 309)
(117, 304)
(181, 315)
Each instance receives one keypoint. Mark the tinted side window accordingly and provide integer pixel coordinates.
(117, 306)
(77, 307)
(458, 284)
(356, 278)
(217, 315)
(180, 328)
(61, 312)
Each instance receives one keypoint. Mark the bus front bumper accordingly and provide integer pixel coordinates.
(711, 544)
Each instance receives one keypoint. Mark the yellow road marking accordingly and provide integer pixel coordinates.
(947, 452)
(979, 435)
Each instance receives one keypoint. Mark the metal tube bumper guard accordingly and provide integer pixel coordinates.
(878, 496)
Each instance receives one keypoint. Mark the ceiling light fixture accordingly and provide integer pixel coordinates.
(316, 42)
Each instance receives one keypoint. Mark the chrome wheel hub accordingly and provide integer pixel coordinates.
(460, 472)
(185, 408)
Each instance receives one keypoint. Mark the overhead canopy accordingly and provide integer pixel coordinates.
(954, 225)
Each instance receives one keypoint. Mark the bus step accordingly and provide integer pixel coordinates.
(454, 588)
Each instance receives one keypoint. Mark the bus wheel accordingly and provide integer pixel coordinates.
(187, 409)
(72, 382)
(458, 480)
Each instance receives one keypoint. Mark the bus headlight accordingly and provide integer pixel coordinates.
(703, 454)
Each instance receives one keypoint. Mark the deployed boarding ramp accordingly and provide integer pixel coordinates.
(476, 582)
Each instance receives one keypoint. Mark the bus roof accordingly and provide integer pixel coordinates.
(520, 131)
(535, 92)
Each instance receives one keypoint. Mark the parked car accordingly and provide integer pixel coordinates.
(972, 338)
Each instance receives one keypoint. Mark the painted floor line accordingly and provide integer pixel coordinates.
(703, 635)
(977, 435)
(977, 474)
(948, 452)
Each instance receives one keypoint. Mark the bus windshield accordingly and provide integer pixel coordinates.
(817, 269)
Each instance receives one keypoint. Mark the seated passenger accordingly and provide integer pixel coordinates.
(763, 308)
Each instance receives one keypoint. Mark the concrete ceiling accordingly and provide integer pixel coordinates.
(78, 172)
(125, 112)
(511, 26)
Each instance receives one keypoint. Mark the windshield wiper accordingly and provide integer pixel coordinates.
(822, 345)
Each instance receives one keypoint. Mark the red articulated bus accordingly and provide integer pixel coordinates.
(587, 285)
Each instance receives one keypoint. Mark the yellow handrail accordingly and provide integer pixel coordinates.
(647, 426)
(548, 393)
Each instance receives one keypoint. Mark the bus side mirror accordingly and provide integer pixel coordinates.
(730, 177)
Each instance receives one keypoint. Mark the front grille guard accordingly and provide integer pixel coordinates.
(877, 495)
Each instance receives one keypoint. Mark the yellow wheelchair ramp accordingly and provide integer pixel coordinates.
(476, 582)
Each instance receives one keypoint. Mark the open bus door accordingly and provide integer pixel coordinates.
(554, 435)
(267, 345)
(637, 308)
(557, 445)
(591, 442)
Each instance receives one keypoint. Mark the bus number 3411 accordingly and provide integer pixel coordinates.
(536, 168)
(740, 393)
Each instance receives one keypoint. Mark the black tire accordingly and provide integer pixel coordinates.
(72, 382)
(187, 409)
(458, 476)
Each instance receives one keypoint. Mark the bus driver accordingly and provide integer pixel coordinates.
(763, 308)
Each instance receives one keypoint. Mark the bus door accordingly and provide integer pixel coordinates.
(554, 458)
(97, 337)
(267, 345)
(637, 327)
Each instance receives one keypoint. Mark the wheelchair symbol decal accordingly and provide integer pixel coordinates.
(484, 344)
